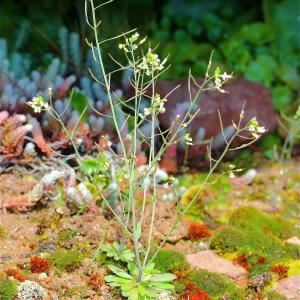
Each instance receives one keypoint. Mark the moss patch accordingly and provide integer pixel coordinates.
(249, 218)
(66, 261)
(66, 235)
(3, 233)
(253, 232)
(168, 260)
(8, 288)
(215, 285)
(80, 291)
(227, 239)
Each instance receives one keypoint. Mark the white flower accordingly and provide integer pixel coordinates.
(157, 105)
(151, 63)
(132, 43)
(188, 139)
(226, 76)
(38, 104)
(220, 79)
(255, 128)
(147, 111)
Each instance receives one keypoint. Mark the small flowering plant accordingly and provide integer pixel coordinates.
(140, 279)
(151, 63)
(38, 104)
(132, 43)
(157, 106)
(220, 79)
(255, 128)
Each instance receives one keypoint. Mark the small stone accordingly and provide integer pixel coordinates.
(63, 211)
(293, 240)
(258, 282)
(289, 287)
(43, 276)
(210, 261)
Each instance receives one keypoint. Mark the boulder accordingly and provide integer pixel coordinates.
(210, 261)
(289, 287)
(257, 100)
(293, 240)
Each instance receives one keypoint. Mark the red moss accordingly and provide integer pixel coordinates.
(16, 273)
(32, 246)
(193, 293)
(198, 231)
(39, 264)
(261, 260)
(242, 260)
(95, 282)
(181, 275)
(281, 271)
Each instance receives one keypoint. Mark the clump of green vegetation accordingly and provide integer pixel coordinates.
(249, 218)
(215, 285)
(252, 232)
(103, 260)
(227, 239)
(179, 286)
(3, 233)
(197, 208)
(66, 260)
(66, 235)
(8, 288)
(81, 291)
(168, 260)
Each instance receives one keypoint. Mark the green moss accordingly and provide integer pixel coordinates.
(168, 260)
(256, 241)
(227, 239)
(197, 207)
(66, 260)
(249, 218)
(252, 232)
(103, 260)
(3, 233)
(8, 288)
(294, 267)
(179, 286)
(81, 291)
(215, 285)
(259, 269)
(66, 235)
(293, 251)
(275, 296)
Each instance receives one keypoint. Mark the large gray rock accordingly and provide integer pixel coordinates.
(258, 103)
(210, 261)
(289, 287)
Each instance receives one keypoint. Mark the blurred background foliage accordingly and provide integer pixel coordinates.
(256, 39)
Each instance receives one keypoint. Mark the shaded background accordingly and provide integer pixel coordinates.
(259, 40)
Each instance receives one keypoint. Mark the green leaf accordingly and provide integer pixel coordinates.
(163, 277)
(281, 96)
(90, 166)
(262, 70)
(79, 102)
(163, 285)
(257, 33)
(119, 272)
(283, 17)
(134, 295)
(289, 75)
(138, 231)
